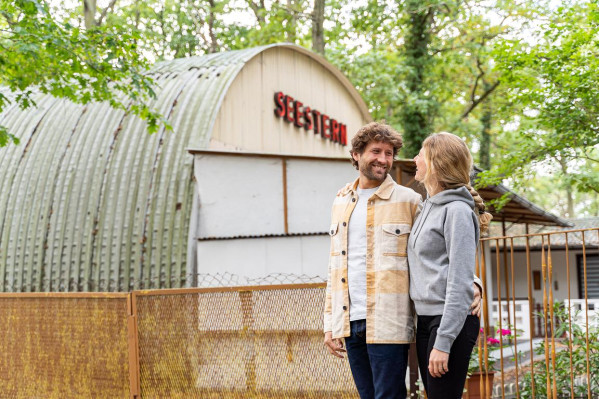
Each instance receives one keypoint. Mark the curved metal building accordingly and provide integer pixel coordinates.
(89, 201)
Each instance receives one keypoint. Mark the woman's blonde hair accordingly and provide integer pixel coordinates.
(449, 164)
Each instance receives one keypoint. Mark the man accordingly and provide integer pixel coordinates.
(367, 296)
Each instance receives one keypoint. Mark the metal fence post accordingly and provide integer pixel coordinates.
(133, 340)
(247, 309)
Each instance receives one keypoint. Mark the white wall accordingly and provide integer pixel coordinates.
(244, 195)
(252, 260)
(559, 264)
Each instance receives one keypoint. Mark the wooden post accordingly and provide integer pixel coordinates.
(413, 364)
(398, 175)
(285, 210)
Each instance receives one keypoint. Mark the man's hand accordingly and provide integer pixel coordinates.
(438, 363)
(334, 346)
(476, 304)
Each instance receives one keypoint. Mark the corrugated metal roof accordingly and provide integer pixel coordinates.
(263, 236)
(575, 238)
(89, 201)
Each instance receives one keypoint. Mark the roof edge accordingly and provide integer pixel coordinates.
(526, 203)
(334, 70)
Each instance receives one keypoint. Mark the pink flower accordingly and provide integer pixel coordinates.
(482, 330)
(505, 332)
(492, 341)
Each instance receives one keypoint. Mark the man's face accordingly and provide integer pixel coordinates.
(374, 163)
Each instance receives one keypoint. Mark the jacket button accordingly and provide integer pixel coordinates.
(353, 200)
(342, 252)
(397, 231)
(345, 224)
(332, 231)
(343, 279)
(344, 307)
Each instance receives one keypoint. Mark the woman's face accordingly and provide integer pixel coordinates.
(420, 166)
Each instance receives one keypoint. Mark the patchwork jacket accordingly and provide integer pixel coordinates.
(391, 210)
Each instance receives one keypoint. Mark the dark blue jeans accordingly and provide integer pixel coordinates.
(379, 370)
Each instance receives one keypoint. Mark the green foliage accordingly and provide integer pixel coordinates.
(564, 360)
(516, 80)
(553, 80)
(39, 53)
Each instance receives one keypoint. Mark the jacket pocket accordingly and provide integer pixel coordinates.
(395, 239)
(335, 239)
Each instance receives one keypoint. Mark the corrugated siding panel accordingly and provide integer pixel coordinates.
(89, 201)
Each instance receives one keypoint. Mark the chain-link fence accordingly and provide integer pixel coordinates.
(234, 342)
(260, 342)
(226, 279)
(64, 346)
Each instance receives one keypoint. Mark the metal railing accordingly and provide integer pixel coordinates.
(564, 358)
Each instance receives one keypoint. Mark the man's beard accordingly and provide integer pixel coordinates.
(368, 171)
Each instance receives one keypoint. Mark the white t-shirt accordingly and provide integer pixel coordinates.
(356, 256)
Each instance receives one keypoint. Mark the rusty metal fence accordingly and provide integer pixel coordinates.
(544, 334)
(266, 341)
(242, 342)
(64, 346)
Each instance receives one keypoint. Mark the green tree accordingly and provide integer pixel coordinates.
(553, 80)
(420, 106)
(39, 53)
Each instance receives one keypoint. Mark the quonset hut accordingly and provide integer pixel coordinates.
(89, 201)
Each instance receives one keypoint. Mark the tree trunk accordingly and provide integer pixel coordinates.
(485, 139)
(568, 187)
(292, 29)
(259, 11)
(318, 27)
(213, 44)
(417, 112)
(89, 13)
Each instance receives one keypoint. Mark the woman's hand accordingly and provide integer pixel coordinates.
(438, 363)
(477, 302)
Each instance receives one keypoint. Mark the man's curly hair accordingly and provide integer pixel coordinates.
(374, 131)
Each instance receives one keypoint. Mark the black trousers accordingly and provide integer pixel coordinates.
(451, 384)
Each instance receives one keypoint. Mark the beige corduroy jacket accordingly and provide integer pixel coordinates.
(389, 311)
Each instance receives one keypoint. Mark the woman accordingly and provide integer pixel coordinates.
(441, 254)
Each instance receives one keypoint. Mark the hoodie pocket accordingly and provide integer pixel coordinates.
(395, 239)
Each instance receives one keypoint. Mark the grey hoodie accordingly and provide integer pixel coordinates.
(441, 255)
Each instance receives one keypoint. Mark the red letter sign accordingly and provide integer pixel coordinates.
(324, 127)
(280, 107)
(308, 125)
(316, 115)
(335, 131)
(343, 134)
(296, 111)
(288, 101)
